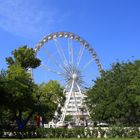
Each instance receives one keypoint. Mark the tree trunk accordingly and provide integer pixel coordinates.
(21, 124)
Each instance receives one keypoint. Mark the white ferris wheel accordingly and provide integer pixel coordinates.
(68, 57)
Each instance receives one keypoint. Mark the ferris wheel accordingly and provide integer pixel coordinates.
(70, 58)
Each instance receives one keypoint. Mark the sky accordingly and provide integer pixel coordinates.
(112, 27)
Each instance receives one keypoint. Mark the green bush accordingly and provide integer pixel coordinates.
(60, 133)
(94, 133)
(123, 132)
(27, 133)
(114, 132)
(111, 132)
(132, 132)
(101, 132)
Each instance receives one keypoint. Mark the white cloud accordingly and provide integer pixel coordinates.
(28, 19)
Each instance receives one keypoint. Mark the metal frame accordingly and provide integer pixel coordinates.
(69, 71)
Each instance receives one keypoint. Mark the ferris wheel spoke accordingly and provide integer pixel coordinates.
(60, 52)
(87, 64)
(70, 51)
(68, 70)
(51, 70)
(80, 54)
(54, 61)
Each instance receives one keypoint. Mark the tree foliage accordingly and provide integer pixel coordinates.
(17, 87)
(51, 95)
(4, 112)
(24, 56)
(115, 97)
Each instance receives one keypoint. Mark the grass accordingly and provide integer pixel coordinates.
(74, 139)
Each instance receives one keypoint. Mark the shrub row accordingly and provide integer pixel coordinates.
(27, 133)
(123, 132)
(110, 132)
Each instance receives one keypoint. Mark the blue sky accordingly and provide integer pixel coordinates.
(111, 26)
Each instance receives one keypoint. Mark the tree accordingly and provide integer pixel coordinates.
(115, 97)
(5, 115)
(24, 56)
(18, 86)
(2, 87)
(51, 98)
(20, 89)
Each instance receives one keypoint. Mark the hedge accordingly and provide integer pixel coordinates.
(92, 132)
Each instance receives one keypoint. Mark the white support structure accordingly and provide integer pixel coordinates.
(74, 104)
(75, 107)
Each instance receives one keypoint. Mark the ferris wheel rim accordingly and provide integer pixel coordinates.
(71, 72)
(71, 36)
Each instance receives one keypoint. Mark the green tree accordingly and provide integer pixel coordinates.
(2, 87)
(17, 88)
(5, 115)
(51, 98)
(115, 97)
(24, 56)
(20, 89)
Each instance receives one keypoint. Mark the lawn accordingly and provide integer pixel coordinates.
(75, 139)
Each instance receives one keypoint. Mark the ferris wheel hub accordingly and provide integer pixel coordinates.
(74, 76)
